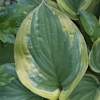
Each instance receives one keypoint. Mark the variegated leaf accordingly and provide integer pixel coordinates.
(87, 89)
(50, 53)
(71, 7)
(15, 90)
(94, 56)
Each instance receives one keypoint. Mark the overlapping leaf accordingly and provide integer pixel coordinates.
(87, 89)
(15, 90)
(52, 4)
(92, 6)
(90, 25)
(38, 2)
(30, 2)
(71, 7)
(94, 56)
(5, 78)
(48, 62)
(96, 10)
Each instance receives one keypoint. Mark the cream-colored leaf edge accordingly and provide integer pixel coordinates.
(73, 15)
(91, 66)
(23, 64)
(97, 81)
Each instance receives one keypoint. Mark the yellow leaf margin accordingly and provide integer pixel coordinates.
(22, 56)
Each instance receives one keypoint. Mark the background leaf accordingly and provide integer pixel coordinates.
(30, 2)
(91, 7)
(1, 1)
(90, 24)
(87, 89)
(38, 2)
(94, 56)
(12, 11)
(71, 7)
(96, 34)
(15, 90)
(96, 10)
(6, 36)
(7, 54)
(5, 78)
(14, 15)
(16, 21)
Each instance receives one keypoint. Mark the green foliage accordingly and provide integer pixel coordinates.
(93, 6)
(57, 45)
(71, 7)
(17, 92)
(6, 36)
(38, 2)
(5, 78)
(14, 89)
(1, 1)
(10, 14)
(94, 56)
(30, 2)
(6, 53)
(96, 10)
(90, 24)
(13, 10)
(87, 89)
(49, 51)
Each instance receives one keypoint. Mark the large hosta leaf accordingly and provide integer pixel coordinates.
(48, 62)
(71, 7)
(15, 90)
(94, 56)
(87, 89)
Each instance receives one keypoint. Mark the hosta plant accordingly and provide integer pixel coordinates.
(45, 55)
(50, 55)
